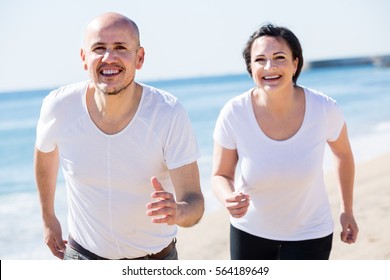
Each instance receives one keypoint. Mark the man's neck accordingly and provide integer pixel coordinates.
(111, 113)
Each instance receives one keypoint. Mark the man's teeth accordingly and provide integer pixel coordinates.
(271, 77)
(110, 72)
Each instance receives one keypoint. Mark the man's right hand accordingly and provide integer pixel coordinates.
(53, 238)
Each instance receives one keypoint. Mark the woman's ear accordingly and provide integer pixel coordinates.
(296, 62)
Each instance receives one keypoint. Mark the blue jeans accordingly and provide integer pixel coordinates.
(72, 254)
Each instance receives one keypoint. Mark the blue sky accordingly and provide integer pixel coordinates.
(40, 39)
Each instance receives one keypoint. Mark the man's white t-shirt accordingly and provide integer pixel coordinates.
(284, 179)
(108, 176)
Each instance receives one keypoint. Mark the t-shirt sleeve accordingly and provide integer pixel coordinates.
(46, 132)
(181, 147)
(335, 120)
(224, 132)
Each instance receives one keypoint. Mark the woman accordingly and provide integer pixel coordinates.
(268, 156)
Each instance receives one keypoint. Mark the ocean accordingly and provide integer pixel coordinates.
(363, 93)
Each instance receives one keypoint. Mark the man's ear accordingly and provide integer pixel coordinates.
(82, 55)
(140, 58)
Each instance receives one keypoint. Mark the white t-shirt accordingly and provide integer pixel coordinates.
(283, 178)
(108, 176)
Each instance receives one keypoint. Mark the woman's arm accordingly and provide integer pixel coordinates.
(224, 167)
(345, 172)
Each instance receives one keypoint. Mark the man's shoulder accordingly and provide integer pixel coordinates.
(160, 96)
(64, 97)
(69, 90)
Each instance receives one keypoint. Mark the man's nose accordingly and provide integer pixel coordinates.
(109, 55)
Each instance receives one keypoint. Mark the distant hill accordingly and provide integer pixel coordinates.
(380, 60)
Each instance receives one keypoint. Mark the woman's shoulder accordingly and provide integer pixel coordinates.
(317, 96)
(239, 100)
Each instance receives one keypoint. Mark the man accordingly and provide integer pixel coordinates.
(127, 151)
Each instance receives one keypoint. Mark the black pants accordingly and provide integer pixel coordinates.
(245, 246)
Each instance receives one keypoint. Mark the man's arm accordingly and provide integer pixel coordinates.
(188, 207)
(46, 171)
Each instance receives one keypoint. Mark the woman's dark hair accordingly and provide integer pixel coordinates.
(277, 32)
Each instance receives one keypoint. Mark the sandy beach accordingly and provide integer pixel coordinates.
(209, 240)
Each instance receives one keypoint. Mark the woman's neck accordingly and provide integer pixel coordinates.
(279, 102)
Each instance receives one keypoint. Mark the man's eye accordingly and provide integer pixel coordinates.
(99, 49)
(120, 49)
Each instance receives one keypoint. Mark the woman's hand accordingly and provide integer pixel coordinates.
(237, 204)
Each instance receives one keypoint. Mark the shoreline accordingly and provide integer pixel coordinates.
(209, 239)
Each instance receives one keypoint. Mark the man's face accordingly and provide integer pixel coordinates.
(111, 55)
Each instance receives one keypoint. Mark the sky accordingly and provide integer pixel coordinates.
(40, 40)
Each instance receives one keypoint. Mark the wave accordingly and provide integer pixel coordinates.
(12, 125)
(21, 228)
(382, 127)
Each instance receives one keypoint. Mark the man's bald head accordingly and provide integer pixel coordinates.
(112, 20)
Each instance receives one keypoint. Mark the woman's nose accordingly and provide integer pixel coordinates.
(268, 65)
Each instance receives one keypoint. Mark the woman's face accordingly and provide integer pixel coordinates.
(272, 63)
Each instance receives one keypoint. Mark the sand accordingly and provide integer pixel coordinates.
(209, 240)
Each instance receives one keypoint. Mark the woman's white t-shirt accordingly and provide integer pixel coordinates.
(284, 179)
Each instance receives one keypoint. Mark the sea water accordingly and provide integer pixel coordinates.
(363, 93)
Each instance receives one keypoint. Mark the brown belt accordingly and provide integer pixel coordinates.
(157, 256)
(163, 253)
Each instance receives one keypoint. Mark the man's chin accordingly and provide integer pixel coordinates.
(106, 90)
(111, 91)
